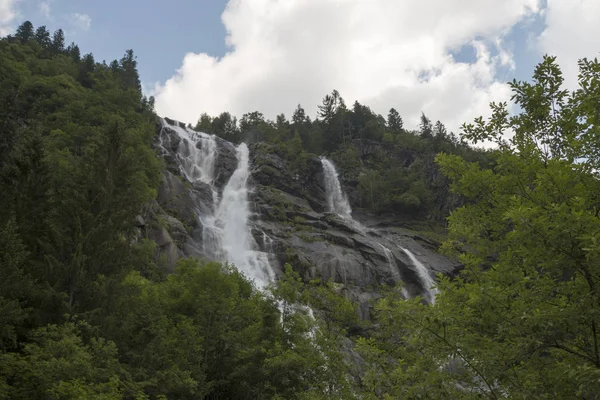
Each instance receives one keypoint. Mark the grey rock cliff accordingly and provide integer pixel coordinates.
(291, 208)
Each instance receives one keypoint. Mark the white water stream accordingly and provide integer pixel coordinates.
(338, 203)
(226, 232)
(426, 280)
(336, 199)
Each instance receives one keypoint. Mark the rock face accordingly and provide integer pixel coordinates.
(292, 210)
(290, 220)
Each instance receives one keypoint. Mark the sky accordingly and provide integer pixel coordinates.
(448, 59)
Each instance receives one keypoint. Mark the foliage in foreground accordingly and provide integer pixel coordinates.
(522, 320)
(205, 332)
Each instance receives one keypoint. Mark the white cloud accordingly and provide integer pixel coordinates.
(383, 53)
(45, 9)
(81, 21)
(571, 33)
(8, 14)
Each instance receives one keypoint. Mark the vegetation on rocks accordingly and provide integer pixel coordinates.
(385, 167)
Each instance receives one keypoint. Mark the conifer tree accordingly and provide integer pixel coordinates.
(394, 121)
(25, 32)
(58, 41)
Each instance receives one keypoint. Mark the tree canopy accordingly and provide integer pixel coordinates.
(521, 320)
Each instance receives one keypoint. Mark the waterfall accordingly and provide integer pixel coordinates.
(336, 199)
(394, 269)
(426, 280)
(226, 233)
(195, 153)
(392, 263)
(338, 203)
(232, 218)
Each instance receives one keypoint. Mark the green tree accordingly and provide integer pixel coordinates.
(425, 128)
(299, 117)
(74, 52)
(204, 123)
(254, 127)
(15, 286)
(301, 123)
(58, 41)
(334, 116)
(394, 121)
(225, 126)
(129, 73)
(439, 131)
(59, 363)
(86, 70)
(42, 37)
(25, 32)
(521, 321)
(321, 352)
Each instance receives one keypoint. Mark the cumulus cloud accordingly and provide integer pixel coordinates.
(8, 14)
(571, 33)
(81, 21)
(382, 53)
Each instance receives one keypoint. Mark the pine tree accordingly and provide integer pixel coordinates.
(73, 52)
(425, 127)
(86, 68)
(439, 130)
(130, 76)
(394, 121)
(299, 117)
(204, 123)
(58, 41)
(42, 37)
(224, 126)
(330, 105)
(25, 32)
(115, 67)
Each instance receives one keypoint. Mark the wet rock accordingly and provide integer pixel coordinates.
(225, 162)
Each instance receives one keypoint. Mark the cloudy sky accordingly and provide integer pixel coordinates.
(446, 58)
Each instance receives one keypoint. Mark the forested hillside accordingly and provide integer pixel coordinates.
(386, 167)
(87, 310)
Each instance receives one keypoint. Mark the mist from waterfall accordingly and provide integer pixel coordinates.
(337, 201)
(226, 234)
(427, 281)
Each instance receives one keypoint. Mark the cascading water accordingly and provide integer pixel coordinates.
(226, 234)
(394, 268)
(391, 262)
(338, 203)
(336, 199)
(426, 280)
(232, 221)
(195, 153)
